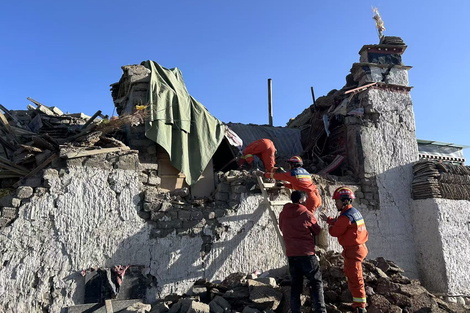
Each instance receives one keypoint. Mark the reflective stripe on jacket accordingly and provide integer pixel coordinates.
(349, 227)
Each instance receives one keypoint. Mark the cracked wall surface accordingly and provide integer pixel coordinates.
(88, 217)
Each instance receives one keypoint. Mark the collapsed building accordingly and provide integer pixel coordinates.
(153, 198)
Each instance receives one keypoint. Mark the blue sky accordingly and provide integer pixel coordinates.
(67, 53)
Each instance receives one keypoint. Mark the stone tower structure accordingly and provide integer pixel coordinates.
(381, 144)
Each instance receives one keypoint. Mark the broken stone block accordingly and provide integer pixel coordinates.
(239, 292)
(128, 162)
(15, 202)
(139, 307)
(378, 304)
(413, 289)
(222, 196)
(143, 178)
(34, 181)
(41, 191)
(152, 206)
(234, 280)
(189, 306)
(154, 181)
(248, 309)
(268, 281)
(219, 305)
(385, 286)
(265, 296)
(4, 221)
(160, 307)
(24, 192)
(9, 213)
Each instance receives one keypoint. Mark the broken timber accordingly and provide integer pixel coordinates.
(83, 153)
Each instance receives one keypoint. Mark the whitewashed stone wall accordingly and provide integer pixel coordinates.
(88, 217)
(384, 156)
(442, 229)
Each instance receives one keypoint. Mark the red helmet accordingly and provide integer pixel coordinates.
(296, 160)
(343, 193)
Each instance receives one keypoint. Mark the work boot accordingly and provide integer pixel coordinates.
(361, 310)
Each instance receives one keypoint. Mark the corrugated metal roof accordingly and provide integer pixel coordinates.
(286, 140)
(438, 143)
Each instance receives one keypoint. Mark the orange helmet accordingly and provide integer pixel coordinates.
(296, 160)
(343, 193)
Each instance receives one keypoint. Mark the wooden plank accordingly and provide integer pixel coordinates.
(36, 102)
(91, 119)
(12, 169)
(8, 114)
(13, 164)
(7, 125)
(7, 144)
(109, 306)
(82, 153)
(38, 168)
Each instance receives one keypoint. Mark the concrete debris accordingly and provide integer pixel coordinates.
(386, 287)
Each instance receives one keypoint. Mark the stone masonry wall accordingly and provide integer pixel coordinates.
(384, 147)
(87, 215)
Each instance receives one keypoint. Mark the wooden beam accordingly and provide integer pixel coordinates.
(83, 153)
(36, 102)
(91, 119)
(51, 158)
(109, 306)
(12, 164)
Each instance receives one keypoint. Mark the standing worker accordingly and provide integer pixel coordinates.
(263, 149)
(298, 227)
(299, 179)
(352, 235)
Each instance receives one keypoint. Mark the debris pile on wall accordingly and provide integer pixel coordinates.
(433, 179)
(42, 137)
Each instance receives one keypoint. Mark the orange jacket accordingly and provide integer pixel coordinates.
(299, 179)
(349, 227)
(263, 149)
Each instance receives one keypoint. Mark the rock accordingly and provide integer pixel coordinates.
(219, 305)
(234, 280)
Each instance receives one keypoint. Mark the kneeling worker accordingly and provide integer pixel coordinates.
(263, 149)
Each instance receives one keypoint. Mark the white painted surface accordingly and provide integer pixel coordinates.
(443, 243)
(389, 148)
(89, 219)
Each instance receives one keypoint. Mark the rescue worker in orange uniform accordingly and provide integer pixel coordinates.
(263, 149)
(299, 179)
(352, 235)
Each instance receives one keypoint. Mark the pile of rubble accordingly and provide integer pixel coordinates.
(388, 291)
(32, 139)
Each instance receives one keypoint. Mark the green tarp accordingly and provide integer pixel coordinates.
(180, 124)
